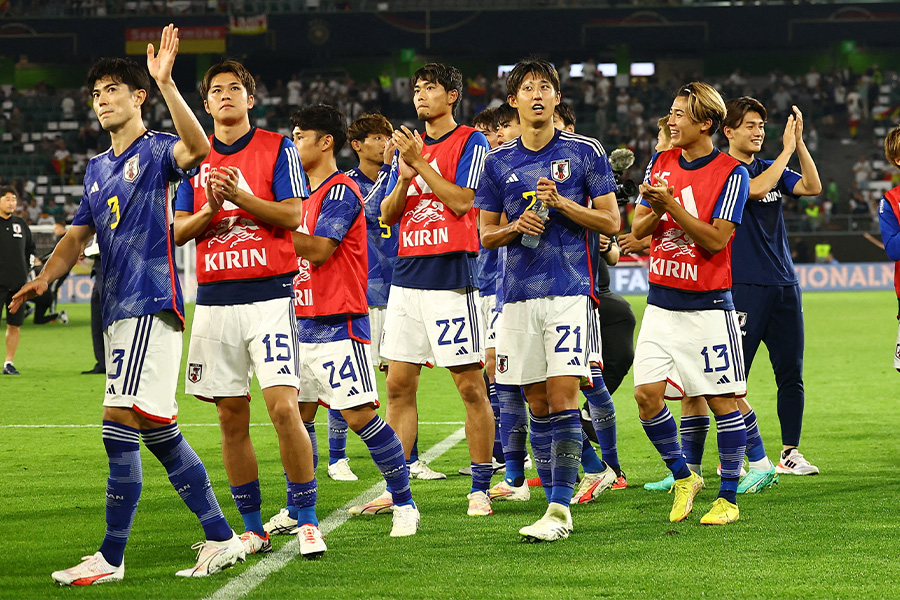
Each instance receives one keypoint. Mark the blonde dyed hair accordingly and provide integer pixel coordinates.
(703, 102)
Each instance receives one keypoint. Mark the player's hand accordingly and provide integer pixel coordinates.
(409, 144)
(214, 199)
(224, 181)
(603, 242)
(629, 244)
(388, 154)
(548, 194)
(798, 126)
(160, 65)
(406, 171)
(789, 139)
(32, 289)
(529, 222)
(659, 195)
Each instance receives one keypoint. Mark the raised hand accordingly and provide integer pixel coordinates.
(160, 64)
(798, 125)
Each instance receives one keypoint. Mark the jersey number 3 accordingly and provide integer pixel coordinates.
(113, 204)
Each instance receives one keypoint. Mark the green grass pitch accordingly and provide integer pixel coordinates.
(831, 536)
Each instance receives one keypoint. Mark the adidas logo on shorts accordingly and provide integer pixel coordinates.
(111, 390)
(284, 370)
(724, 379)
(353, 392)
(574, 362)
(461, 352)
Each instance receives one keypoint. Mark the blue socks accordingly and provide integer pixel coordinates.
(663, 434)
(756, 451)
(311, 430)
(565, 453)
(337, 436)
(603, 417)
(693, 440)
(495, 407)
(481, 476)
(541, 441)
(248, 500)
(513, 431)
(387, 452)
(732, 437)
(303, 496)
(589, 459)
(188, 475)
(123, 488)
(414, 451)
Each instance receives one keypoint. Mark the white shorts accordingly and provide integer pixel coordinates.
(339, 374)
(143, 359)
(897, 351)
(544, 337)
(376, 323)
(230, 343)
(433, 327)
(489, 315)
(697, 349)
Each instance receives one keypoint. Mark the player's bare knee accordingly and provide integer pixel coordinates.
(649, 403)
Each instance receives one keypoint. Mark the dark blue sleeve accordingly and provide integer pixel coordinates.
(468, 170)
(339, 210)
(730, 205)
(488, 196)
(598, 174)
(289, 179)
(84, 216)
(184, 196)
(890, 229)
(640, 199)
(172, 171)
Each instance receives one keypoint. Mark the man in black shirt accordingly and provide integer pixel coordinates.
(16, 253)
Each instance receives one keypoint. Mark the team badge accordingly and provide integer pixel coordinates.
(17, 229)
(897, 351)
(132, 169)
(560, 169)
(502, 363)
(742, 319)
(195, 372)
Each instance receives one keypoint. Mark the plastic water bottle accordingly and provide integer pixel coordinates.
(530, 240)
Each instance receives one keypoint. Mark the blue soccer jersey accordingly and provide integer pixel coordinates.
(127, 199)
(382, 239)
(487, 272)
(560, 264)
(339, 210)
(760, 253)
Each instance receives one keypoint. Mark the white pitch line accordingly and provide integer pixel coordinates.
(244, 583)
(98, 425)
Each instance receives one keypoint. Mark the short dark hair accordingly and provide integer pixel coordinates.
(324, 119)
(737, 108)
(486, 119)
(506, 113)
(121, 70)
(565, 112)
(446, 75)
(369, 124)
(528, 65)
(8, 189)
(228, 66)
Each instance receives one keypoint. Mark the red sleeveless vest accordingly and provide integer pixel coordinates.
(676, 261)
(236, 245)
(893, 198)
(428, 227)
(338, 287)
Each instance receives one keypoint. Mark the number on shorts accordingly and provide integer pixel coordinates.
(722, 352)
(118, 356)
(566, 331)
(345, 372)
(459, 338)
(280, 342)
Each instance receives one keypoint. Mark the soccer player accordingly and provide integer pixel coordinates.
(766, 290)
(432, 313)
(508, 126)
(486, 123)
(126, 201)
(241, 209)
(616, 323)
(331, 307)
(691, 201)
(548, 323)
(889, 222)
(17, 252)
